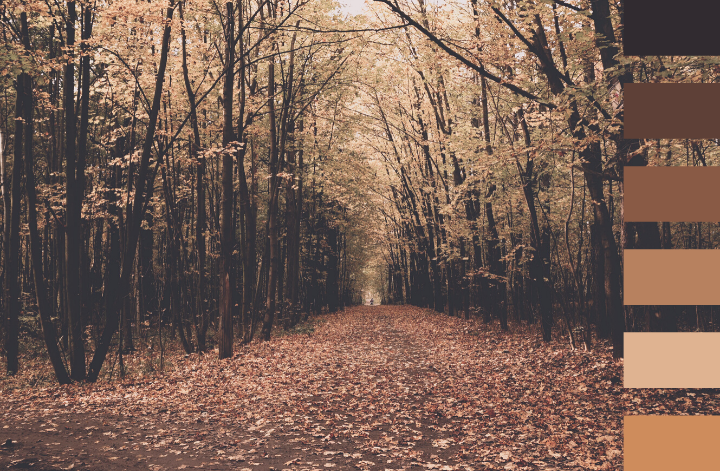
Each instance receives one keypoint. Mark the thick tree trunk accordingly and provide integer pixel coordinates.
(611, 259)
(605, 41)
(227, 230)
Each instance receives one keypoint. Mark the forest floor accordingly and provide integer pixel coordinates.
(372, 388)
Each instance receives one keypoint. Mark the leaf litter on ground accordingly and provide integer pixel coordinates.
(371, 388)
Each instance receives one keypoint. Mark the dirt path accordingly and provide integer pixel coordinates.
(378, 388)
(363, 401)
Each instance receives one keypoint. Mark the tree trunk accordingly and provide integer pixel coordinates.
(537, 270)
(332, 271)
(272, 211)
(201, 314)
(227, 240)
(139, 206)
(44, 306)
(12, 201)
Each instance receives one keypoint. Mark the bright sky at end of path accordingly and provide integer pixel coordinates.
(352, 7)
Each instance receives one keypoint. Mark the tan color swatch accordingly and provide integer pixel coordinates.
(671, 277)
(671, 443)
(671, 360)
(672, 110)
(671, 194)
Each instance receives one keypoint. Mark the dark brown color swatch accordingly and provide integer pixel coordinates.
(672, 110)
(671, 277)
(671, 443)
(671, 194)
(671, 28)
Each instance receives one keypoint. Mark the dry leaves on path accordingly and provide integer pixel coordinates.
(376, 388)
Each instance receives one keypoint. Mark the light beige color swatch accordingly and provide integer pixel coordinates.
(672, 360)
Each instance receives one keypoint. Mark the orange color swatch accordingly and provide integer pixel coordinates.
(671, 443)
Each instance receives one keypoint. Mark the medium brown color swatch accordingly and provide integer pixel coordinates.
(672, 194)
(671, 277)
(672, 110)
(671, 360)
(671, 443)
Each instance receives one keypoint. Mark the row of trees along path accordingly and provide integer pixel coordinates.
(203, 168)
(203, 175)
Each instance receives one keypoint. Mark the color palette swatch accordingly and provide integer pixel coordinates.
(671, 443)
(672, 194)
(671, 277)
(672, 110)
(671, 28)
(672, 360)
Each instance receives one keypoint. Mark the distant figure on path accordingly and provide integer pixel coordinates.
(371, 301)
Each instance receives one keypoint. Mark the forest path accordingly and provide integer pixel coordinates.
(376, 388)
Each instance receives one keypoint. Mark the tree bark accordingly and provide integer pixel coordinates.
(539, 255)
(44, 305)
(227, 230)
(12, 202)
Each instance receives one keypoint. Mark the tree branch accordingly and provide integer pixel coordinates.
(567, 5)
(479, 69)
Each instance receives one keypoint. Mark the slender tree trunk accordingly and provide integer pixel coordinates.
(272, 224)
(295, 231)
(74, 181)
(139, 206)
(293, 243)
(201, 314)
(4, 192)
(495, 264)
(227, 240)
(44, 306)
(248, 209)
(540, 257)
(12, 202)
(272, 211)
(332, 272)
(173, 264)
